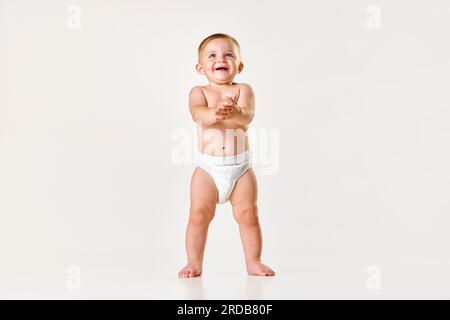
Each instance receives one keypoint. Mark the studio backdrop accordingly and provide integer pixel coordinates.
(350, 140)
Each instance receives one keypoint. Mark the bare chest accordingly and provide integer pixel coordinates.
(214, 97)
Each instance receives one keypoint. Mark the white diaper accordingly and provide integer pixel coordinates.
(225, 171)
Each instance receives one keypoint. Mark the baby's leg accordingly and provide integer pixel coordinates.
(203, 206)
(245, 211)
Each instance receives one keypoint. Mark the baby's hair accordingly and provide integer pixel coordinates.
(214, 36)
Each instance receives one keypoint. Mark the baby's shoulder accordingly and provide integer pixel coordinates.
(245, 88)
(197, 88)
(243, 85)
(197, 91)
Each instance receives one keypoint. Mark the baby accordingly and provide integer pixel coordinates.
(222, 110)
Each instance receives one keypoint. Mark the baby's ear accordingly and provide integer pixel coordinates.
(241, 67)
(199, 68)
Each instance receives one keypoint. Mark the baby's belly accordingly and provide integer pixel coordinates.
(222, 141)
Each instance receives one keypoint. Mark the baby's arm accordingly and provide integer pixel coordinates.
(245, 106)
(198, 105)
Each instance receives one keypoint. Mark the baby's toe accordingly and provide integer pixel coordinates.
(183, 273)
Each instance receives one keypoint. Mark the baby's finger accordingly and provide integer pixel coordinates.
(223, 113)
(228, 99)
(223, 108)
(230, 102)
(229, 105)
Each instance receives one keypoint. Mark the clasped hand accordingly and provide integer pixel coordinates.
(226, 108)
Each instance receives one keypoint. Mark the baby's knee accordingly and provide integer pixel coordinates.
(201, 215)
(246, 215)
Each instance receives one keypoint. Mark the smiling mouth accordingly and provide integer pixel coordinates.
(221, 69)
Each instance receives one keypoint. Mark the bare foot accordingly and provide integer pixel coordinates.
(191, 270)
(256, 268)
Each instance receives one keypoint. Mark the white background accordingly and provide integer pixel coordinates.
(87, 178)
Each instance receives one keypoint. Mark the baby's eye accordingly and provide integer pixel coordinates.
(212, 55)
(229, 55)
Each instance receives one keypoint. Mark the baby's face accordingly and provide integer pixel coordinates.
(220, 61)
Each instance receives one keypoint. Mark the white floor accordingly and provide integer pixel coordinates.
(119, 275)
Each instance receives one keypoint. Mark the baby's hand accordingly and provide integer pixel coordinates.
(226, 108)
